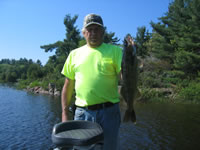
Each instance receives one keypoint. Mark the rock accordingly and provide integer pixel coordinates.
(165, 91)
(57, 93)
(42, 91)
(39, 90)
(36, 89)
(51, 88)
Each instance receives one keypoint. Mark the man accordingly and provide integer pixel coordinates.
(93, 71)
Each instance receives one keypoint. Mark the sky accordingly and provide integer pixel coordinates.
(25, 25)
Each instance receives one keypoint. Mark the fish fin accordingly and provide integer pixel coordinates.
(130, 116)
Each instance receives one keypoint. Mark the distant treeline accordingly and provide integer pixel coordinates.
(12, 70)
(170, 55)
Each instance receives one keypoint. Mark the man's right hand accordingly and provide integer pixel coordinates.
(130, 40)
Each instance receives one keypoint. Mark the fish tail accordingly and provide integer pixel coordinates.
(130, 116)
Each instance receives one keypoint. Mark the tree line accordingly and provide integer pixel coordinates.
(12, 70)
(170, 55)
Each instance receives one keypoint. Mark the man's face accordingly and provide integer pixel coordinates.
(94, 35)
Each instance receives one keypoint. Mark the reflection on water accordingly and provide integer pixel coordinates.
(162, 127)
(26, 122)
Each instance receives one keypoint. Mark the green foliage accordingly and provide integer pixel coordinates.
(149, 80)
(191, 92)
(153, 73)
(82, 42)
(35, 83)
(159, 65)
(187, 62)
(175, 74)
(176, 39)
(173, 77)
(34, 71)
(177, 35)
(62, 48)
(13, 70)
(142, 39)
(161, 49)
(149, 94)
(8, 73)
(45, 83)
(11, 77)
(109, 37)
(59, 83)
(22, 84)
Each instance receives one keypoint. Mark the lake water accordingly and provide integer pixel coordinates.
(26, 122)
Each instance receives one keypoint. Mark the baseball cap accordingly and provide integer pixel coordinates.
(92, 19)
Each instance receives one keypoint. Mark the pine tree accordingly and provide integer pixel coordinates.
(142, 38)
(177, 34)
(62, 48)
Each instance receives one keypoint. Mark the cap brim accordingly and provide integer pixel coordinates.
(93, 23)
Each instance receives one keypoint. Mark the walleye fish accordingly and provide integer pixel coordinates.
(129, 89)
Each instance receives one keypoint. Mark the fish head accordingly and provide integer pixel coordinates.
(128, 40)
(129, 45)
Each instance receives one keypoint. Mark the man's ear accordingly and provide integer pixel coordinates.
(83, 32)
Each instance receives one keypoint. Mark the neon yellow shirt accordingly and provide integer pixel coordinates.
(95, 71)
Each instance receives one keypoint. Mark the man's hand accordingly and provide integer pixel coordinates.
(129, 40)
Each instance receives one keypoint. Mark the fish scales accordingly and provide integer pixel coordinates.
(129, 80)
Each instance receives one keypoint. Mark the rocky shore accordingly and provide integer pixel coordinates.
(52, 90)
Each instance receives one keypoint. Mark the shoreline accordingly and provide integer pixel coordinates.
(168, 95)
(52, 90)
